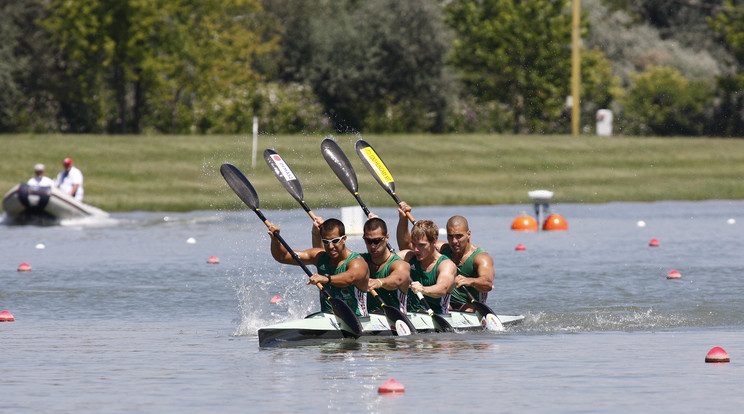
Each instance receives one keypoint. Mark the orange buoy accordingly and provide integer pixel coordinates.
(24, 267)
(674, 275)
(555, 222)
(391, 386)
(520, 247)
(524, 223)
(717, 354)
(275, 299)
(213, 260)
(6, 316)
(654, 243)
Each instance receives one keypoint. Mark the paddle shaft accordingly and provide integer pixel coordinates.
(438, 319)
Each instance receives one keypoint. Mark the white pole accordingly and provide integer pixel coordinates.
(255, 142)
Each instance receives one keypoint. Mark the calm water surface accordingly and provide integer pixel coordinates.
(126, 316)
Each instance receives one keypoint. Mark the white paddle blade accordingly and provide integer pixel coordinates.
(492, 323)
(401, 328)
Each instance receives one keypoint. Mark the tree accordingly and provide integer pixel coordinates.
(376, 65)
(516, 52)
(663, 102)
(729, 113)
(129, 56)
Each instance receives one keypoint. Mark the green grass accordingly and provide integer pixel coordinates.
(181, 173)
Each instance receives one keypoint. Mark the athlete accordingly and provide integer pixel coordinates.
(432, 273)
(389, 273)
(342, 271)
(475, 269)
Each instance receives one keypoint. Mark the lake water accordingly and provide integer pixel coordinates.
(125, 315)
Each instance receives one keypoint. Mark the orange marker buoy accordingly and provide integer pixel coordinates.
(524, 223)
(654, 243)
(275, 299)
(717, 354)
(6, 316)
(555, 222)
(674, 275)
(392, 386)
(24, 267)
(213, 260)
(520, 247)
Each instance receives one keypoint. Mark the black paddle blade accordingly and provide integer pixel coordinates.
(375, 165)
(340, 164)
(240, 185)
(395, 315)
(442, 323)
(284, 174)
(343, 311)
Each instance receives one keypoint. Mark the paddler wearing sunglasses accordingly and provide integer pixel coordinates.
(342, 271)
(389, 273)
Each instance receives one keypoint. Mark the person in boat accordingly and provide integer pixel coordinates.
(342, 271)
(70, 180)
(39, 179)
(475, 269)
(432, 273)
(390, 275)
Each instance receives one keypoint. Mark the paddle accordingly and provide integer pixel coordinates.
(378, 169)
(492, 322)
(245, 191)
(285, 175)
(341, 165)
(440, 324)
(382, 175)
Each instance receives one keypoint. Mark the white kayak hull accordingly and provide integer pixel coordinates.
(29, 204)
(322, 326)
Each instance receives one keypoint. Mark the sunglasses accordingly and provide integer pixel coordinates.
(332, 241)
(373, 241)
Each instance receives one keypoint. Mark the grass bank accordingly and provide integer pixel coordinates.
(181, 173)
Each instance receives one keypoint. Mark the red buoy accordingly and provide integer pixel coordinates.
(391, 385)
(24, 267)
(6, 316)
(213, 260)
(275, 299)
(674, 275)
(654, 243)
(717, 354)
(520, 247)
(524, 223)
(555, 222)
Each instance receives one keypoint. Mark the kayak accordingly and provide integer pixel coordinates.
(322, 326)
(45, 205)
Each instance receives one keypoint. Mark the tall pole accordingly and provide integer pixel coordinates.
(576, 67)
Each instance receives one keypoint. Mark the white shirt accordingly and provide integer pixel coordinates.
(42, 181)
(65, 182)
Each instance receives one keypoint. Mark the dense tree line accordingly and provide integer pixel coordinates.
(665, 67)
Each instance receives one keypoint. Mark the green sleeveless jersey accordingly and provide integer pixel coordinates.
(438, 305)
(394, 298)
(355, 298)
(466, 269)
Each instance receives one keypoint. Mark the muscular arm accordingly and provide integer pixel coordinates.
(357, 274)
(483, 265)
(445, 280)
(399, 277)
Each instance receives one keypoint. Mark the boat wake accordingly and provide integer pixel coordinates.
(623, 320)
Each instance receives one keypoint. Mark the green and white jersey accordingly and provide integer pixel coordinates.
(438, 305)
(468, 270)
(355, 298)
(394, 298)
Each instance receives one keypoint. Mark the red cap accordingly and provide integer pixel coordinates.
(67, 161)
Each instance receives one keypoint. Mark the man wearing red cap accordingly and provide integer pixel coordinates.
(70, 180)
